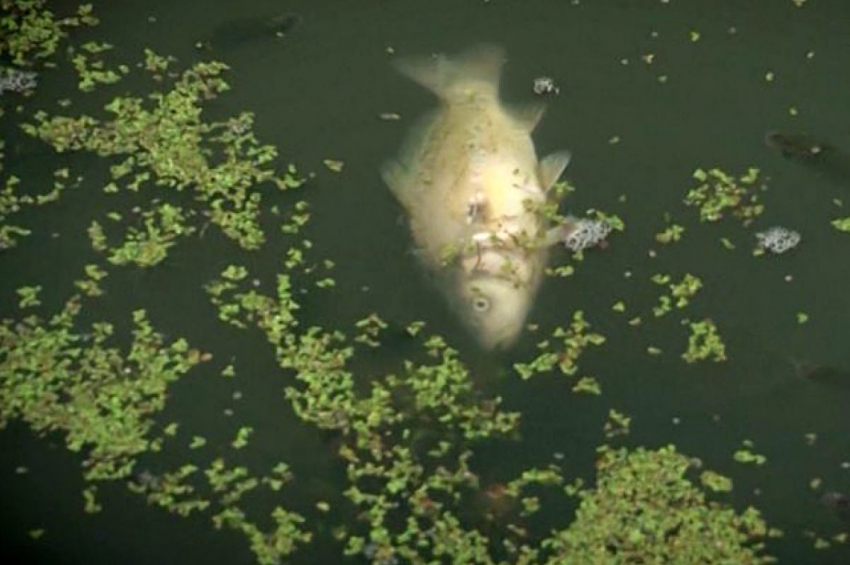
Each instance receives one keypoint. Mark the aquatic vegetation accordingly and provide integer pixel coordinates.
(745, 454)
(574, 339)
(370, 329)
(334, 165)
(680, 292)
(841, 224)
(777, 240)
(719, 193)
(221, 497)
(644, 510)
(617, 424)
(89, 285)
(54, 378)
(162, 226)
(407, 438)
(704, 343)
(91, 70)
(12, 202)
(30, 31)
(670, 234)
(164, 140)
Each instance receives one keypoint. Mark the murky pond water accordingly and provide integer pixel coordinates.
(649, 92)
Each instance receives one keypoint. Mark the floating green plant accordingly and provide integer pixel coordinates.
(30, 31)
(841, 224)
(745, 454)
(680, 292)
(644, 510)
(720, 192)
(54, 378)
(164, 140)
(573, 339)
(12, 202)
(670, 234)
(704, 343)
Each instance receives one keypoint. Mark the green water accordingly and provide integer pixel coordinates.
(317, 94)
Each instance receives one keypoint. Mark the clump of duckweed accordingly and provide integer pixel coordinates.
(573, 339)
(92, 70)
(680, 292)
(406, 437)
(220, 490)
(841, 224)
(704, 343)
(719, 193)
(671, 234)
(55, 378)
(12, 202)
(161, 226)
(29, 30)
(746, 455)
(164, 140)
(644, 510)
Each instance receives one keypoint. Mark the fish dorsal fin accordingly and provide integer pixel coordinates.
(440, 74)
(551, 167)
(527, 116)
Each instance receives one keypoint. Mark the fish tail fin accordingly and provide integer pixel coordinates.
(444, 76)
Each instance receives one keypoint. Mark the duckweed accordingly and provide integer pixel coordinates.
(163, 140)
(644, 509)
(103, 399)
(574, 339)
(720, 192)
(30, 31)
(704, 343)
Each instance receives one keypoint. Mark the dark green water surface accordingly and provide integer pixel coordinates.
(317, 94)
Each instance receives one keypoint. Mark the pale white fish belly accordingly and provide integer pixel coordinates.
(465, 178)
(478, 170)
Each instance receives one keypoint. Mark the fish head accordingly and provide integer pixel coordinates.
(495, 309)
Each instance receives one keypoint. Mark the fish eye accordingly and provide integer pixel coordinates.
(480, 304)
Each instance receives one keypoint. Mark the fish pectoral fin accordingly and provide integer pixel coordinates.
(527, 116)
(395, 176)
(551, 167)
(558, 234)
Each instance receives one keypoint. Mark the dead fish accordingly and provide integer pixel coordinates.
(471, 185)
(236, 33)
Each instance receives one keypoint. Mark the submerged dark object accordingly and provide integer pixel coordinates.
(839, 502)
(826, 159)
(821, 373)
(241, 31)
(796, 146)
